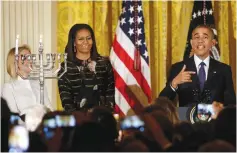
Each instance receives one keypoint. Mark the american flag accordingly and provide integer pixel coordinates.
(130, 39)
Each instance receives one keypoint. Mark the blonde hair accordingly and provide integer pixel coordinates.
(11, 60)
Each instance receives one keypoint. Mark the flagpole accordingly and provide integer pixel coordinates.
(137, 60)
(204, 13)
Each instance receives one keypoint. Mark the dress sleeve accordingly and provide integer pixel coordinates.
(8, 95)
(65, 91)
(110, 86)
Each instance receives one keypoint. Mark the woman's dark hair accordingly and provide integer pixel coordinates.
(169, 107)
(69, 49)
(104, 117)
(225, 125)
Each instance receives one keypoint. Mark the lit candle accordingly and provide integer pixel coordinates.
(16, 49)
(59, 56)
(40, 41)
(41, 37)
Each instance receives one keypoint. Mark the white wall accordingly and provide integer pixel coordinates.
(29, 19)
(1, 49)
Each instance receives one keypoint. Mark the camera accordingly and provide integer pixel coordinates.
(50, 123)
(15, 119)
(65, 120)
(132, 122)
(62, 121)
(204, 112)
(205, 109)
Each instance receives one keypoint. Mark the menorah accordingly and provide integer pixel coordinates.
(41, 69)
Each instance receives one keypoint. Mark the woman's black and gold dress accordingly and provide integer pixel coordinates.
(81, 88)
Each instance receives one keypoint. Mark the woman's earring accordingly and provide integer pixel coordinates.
(75, 49)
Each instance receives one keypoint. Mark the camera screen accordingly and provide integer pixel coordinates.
(65, 120)
(50, 123)
(205, 109)
(132, 122)
(48, 133)
(14, 119)
(18, 139)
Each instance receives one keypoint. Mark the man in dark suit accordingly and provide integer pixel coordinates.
(200, 78)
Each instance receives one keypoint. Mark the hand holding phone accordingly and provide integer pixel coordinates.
(217, 107)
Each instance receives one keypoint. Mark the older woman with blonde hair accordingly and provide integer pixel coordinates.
(22, 94)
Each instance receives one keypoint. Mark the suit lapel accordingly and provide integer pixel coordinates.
(192, 67)
(211, 71)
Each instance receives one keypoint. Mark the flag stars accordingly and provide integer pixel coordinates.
(131, 21)
(210, 12)
(145, 54)
(124, 10)
(203, 12)
(194, 15)
(122, 21)
(199, 13)
(139, 31)
(131, 31)
(139, 42)
(139, 8)
(139, 19)
(131, 9)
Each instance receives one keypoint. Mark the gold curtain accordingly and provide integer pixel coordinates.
(166, 29)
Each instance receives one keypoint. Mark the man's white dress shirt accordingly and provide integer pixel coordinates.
(197, 62)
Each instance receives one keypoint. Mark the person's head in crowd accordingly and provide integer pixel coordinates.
(23, 65)
(48, 119)
(182, 131)
(4, 134)
(131, 144)
(57, 129)
(5, 111)
(169, 107)
(217, 146)
(165, 123)
(146, 135)
(80, 117)
(225, 125)
(206, 129)
(202, 41)
(81, 43)
(199, 135)
(103, 116)
(36, 143)
(154, 107)
(91, 137)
